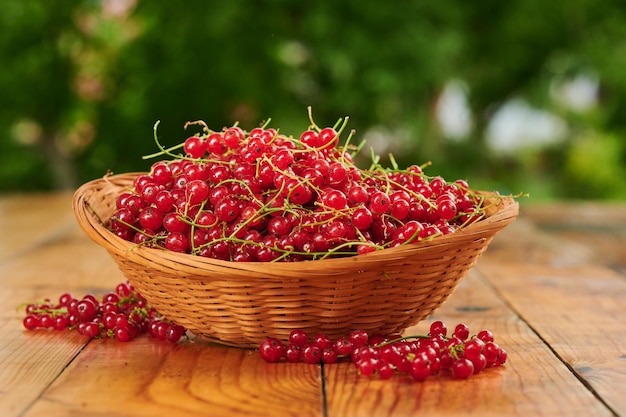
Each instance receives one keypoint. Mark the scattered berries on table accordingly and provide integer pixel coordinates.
(121, 314)
(419, 356)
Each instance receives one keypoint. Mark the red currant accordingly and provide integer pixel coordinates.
(195, 147)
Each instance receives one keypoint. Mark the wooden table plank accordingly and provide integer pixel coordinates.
(30, 361)
(579, 313)
(40, 236)
(574, 305)
(533, 382)
(66, 262)
(600, 227)
(28, 220)
(150, 378)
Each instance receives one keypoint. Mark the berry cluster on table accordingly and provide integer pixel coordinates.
(419, 356)
(121, 314)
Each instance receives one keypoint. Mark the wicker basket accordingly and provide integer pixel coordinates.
(242, 303)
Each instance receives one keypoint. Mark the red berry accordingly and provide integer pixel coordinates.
(343, 346)
(438, 328)
(86, 309)
(329, 356)
(334, 199)
(473, 348)
(196, 191)
(461, 331)
(177, 242)
(310, 138)
(420, 367)
(312, 354)
(174, 333)
(328, 138)
(30, 322)
(195, 147)
(379, 202)
(151, 218)
(293, 354)
(322, 341)
(233, 136)
(359, 338)
(462, 368)
(271, 350)
(162, 174)
(298, 338)
(485, 335)
(362, 218)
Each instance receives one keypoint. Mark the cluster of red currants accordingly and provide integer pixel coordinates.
(418, 356)
(264, 196)
(122, 315)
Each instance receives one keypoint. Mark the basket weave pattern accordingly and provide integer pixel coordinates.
(242, 303)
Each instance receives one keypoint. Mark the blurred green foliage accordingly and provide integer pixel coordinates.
(83, 82)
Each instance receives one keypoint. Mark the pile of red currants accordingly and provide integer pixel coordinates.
(264, 196)
(419, 356)
(122, 314)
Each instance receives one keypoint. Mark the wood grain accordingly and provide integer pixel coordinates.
(149, 378)
(30, 362)
(566, 290)
(533, 382)
(26, 222)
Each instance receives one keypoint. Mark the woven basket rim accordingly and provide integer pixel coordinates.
(506, 211)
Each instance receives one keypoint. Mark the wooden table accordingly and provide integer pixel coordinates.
(551, 287)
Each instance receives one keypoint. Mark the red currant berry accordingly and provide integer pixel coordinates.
(195, 147)
(91, 330)
(446, 208)
(368, 366)
(293, 354)
(420, 367)
(379, 202)
(233, 136)
(328, 138)
(334, 199)
(151, 218)
(177, 242)
(461, 331)
(227, 209)
(491, 352)
(123, 334)
(300, 193)
(30, 322)
(61, 322)
(311, 354)
(174, 333)
(473, 348)
(462, 368)
(386, 371)
(322, 341)
(298, 338)
(310, 138)
(438, 328)
(362, 218)
(485, 335)
(86, 309)
(359, 338)
(162, 174)
(196, 191)
(329, 356)
(479, 363)
(271, 350)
